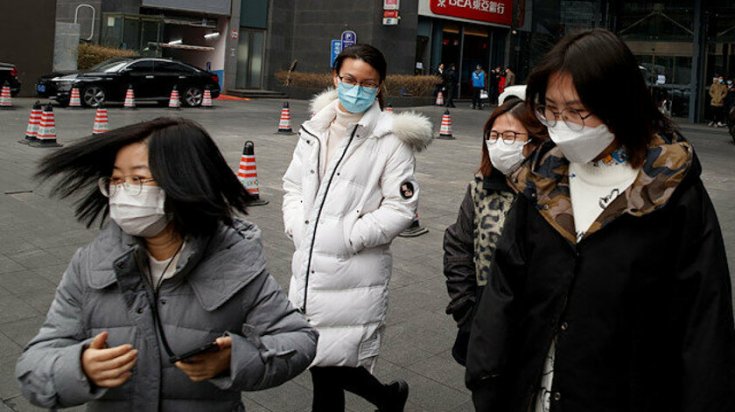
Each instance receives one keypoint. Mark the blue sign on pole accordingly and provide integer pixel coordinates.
(349, 38)
(336, 48)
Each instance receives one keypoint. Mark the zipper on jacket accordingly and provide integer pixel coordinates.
(319, 213)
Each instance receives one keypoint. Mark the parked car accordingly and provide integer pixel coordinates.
(152, 80)
(8, 73)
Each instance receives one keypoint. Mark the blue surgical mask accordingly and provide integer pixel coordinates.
(356, 99)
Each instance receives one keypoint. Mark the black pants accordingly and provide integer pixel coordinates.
(476, 101)
(449, 98)
(331, 382)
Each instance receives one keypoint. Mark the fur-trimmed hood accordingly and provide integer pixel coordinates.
(413, 129)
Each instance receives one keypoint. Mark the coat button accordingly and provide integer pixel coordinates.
(557, 396)
(564, 326)
(163, 301)
(306, 222)
(312, 171)
(139, 310)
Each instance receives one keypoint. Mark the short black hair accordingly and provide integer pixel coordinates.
(201, 189)
(610, 85)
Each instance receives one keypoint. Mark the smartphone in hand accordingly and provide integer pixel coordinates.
(209, 347)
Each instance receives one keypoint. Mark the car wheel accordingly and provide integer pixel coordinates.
(93, 96)
(193, 96)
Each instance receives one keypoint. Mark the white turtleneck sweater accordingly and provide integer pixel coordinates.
(338, 131)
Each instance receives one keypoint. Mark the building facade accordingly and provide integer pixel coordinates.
(680, 44)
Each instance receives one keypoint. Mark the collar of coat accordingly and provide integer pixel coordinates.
(544, 180)
(216, 266)
(413, 129)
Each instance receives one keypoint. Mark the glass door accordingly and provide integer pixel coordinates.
(250, 59)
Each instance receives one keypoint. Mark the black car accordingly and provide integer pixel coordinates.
(8, 73)
(152, 80)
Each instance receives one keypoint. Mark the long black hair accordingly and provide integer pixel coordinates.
(200, 187)
(610, 85)
(369, 55)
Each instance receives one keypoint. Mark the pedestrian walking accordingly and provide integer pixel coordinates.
(609, 288)
(174, 272)
(349, 191)
(478, 85)
(717, 94)
(510, 135)
(450, 83)
(510, 77)
(501, 82)
(441, 87)
(493, 78)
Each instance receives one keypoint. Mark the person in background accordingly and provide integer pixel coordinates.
(501, 82)
(493, 86)
(510, 135)
(478, 85)
(174, 269)
(450, 85)
(441, 87)
(609, 289)
(348, 192)
(510, 77)
(717, 93)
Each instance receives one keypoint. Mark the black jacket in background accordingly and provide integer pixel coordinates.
(641, 308)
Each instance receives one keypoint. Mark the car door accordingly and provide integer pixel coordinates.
(139, 74)
(167, 75)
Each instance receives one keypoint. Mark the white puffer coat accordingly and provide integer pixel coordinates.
(342, 226)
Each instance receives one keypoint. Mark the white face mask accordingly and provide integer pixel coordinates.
(581, 146)
(506, 157)
(140, 215)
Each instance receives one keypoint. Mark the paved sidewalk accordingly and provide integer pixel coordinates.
(38, 236)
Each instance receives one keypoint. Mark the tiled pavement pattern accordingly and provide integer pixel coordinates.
(39, 235)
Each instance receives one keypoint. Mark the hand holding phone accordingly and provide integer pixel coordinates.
(206, 364)
(209, 347)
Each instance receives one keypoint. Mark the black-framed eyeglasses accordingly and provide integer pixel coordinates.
(574, 119)
(507, 137)
(132, 185)
(352, 82)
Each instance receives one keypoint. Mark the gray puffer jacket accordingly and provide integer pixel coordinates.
(220, 286)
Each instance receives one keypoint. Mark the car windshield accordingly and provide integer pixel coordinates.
(110, 65)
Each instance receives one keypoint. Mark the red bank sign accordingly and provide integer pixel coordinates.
(495, 11)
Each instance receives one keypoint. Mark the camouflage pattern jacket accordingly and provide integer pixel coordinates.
(640, 307)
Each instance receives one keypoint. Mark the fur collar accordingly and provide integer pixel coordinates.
(413, 129)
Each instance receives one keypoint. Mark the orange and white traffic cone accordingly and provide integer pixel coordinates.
(129, 98)
(46, 136)
(389, 108)
(439, 99)
(34, 121)
(284, 124)
(207, 99)
(101, 121)
(173, 101)
(75, 101)
(6, 100)
(415, 229)
(445, 131)
(248, 174)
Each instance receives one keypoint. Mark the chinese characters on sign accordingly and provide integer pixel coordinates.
(499, 12)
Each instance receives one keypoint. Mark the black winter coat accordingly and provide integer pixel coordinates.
(641, 307)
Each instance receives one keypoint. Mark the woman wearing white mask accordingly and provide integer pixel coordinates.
(511, 133)
(170, 307)
(349, 191)
(610, 289)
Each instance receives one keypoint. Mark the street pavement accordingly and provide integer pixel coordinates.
(38, 236)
